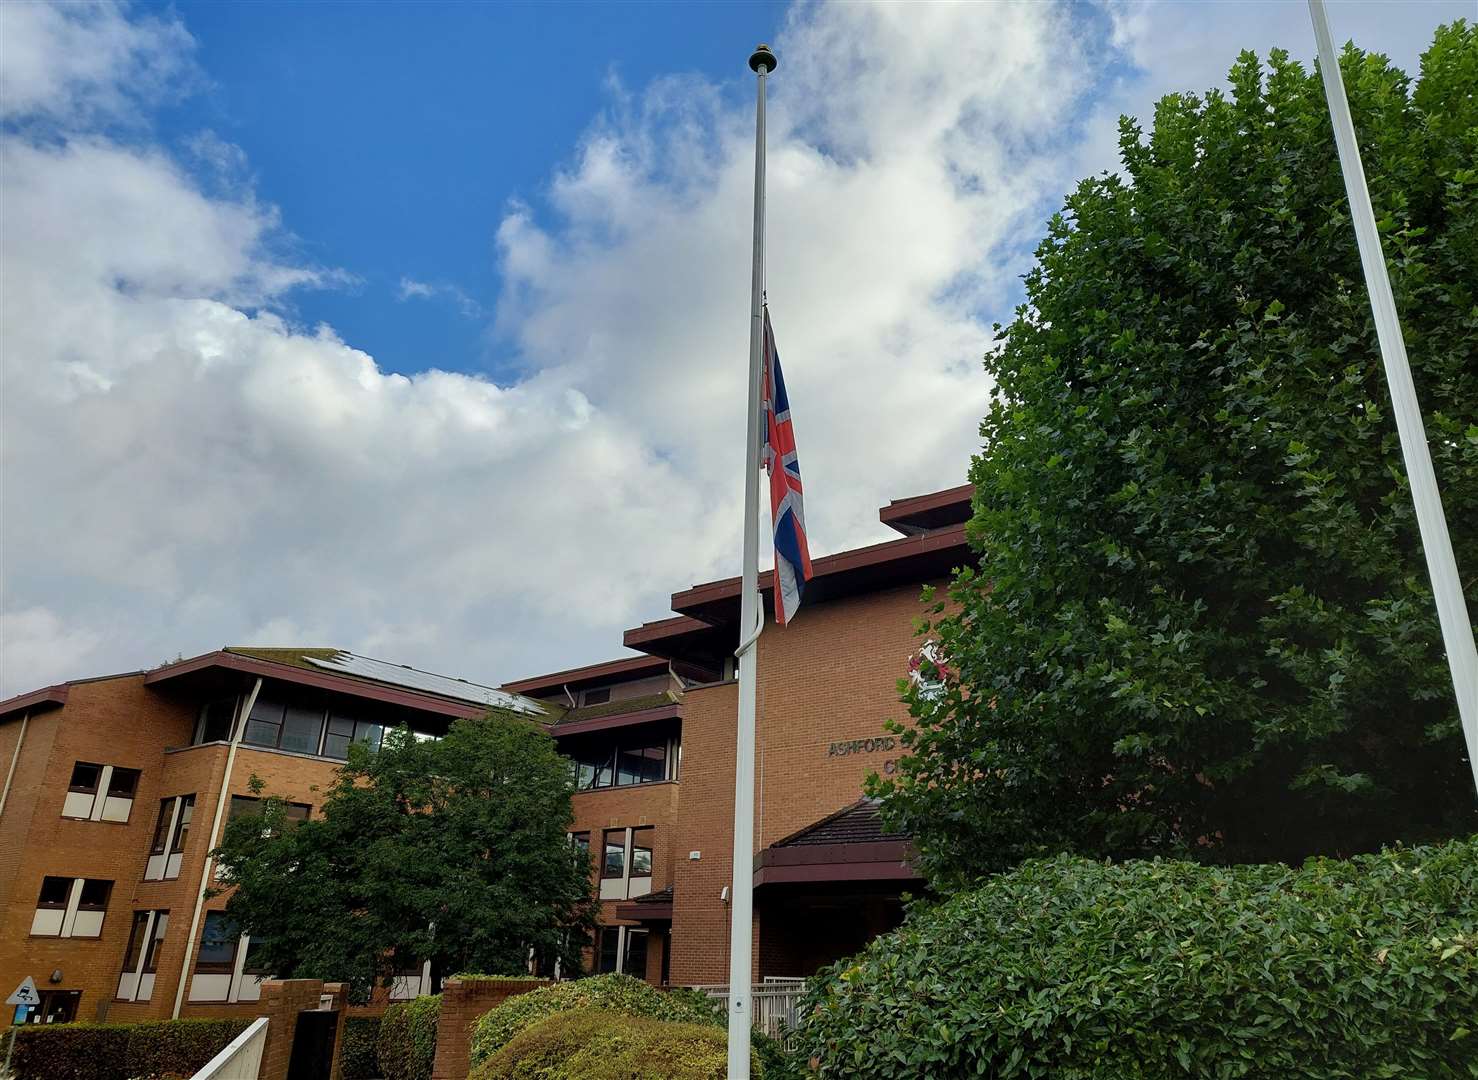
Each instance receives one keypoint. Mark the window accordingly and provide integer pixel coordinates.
(94, 895)
(343, 730)
(141, 958)
(216, 719)
(596, 696)
(641, 765)
(156, 942)
(635, 960)
(123, 783)
(644, 762)
(85, 778)
(57, 1007)
(55, 891)
(182, 823)
(100, 792)
(254, 965)
(610, 949)
(136, 934)
(161, 827)
(71, 907)
(641, 852)
(218, 942)
(286, 727)
(614, 863)
(170, 833)
(581, 841)
(242, 805)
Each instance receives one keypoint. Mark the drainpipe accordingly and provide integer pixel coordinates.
(10, 773)
(215, 830)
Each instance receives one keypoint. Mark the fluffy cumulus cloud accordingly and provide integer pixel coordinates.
(185, 466)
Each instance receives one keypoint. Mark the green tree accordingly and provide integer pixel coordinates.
(452, 851)
(1201, 621)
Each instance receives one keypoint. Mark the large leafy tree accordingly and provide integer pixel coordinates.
(1201, 621)
(452, 851)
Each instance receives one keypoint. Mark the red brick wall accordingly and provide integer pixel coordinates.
(462, 1003)
(830, 676)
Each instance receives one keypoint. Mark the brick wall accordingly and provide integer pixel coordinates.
(463, 1001)
(283, 1001)
(831, 676)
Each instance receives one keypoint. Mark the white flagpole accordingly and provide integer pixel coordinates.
(751, 622)
(1452, 610)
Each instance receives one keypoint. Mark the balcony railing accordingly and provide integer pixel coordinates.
(774, 1005)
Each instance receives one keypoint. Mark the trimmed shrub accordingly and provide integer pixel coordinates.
(406, 1044)
(120, 1051)
(1074, 969)
(601, 1044)
(360, 1059)
(615, 993)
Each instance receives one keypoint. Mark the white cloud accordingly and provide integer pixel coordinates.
(185, 467)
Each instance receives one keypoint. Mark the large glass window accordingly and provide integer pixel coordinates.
(642, 762)
(301, 729)
(635, 961)
(123, 783)
(241, 805)
(54, 892)
(95, 895)
(342, 730)
(216, 718)
(264, 726)
(218, 941)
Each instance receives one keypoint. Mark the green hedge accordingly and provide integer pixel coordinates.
(614, 993)
(601, 1044)
(406, 1044)
(1073, 969)
(360, 1059)
(120, 1051)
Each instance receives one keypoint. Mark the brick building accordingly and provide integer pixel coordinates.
(115, 787)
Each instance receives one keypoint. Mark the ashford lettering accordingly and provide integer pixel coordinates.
(861, 746)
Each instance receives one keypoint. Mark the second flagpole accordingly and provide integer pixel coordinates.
(751, 616)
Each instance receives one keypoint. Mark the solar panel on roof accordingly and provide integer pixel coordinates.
(413, 679)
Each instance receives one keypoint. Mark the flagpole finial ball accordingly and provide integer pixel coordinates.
(762, 57)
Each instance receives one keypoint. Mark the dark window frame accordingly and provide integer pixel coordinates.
(42, 904)
(84, 905)
(218, 967)
(133, 787)
(636, 833)
(84, 789)
(132, 956)
(156, 942)
(605, 855)
(182, 823)
(160, 843)
(202, 725)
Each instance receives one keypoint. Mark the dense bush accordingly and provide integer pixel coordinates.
(359, 1058)
(1074, 969)
(406, 1044)
(614, 993)
(120, 1051)
(602, 1044)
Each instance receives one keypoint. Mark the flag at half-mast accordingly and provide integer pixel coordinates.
(792, 556)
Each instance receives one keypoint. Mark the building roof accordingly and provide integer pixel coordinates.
(846, 846)
(652, 907)
(609, 671)
(921, 513)
(614, 714)
(859, 823)
(344, 672)
(49, 697)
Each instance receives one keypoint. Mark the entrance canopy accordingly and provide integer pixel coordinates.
(847, 846)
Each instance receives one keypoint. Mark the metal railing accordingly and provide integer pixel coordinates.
(774, 1005)
(242, 1057)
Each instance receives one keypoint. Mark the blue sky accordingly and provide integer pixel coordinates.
(393, 135)
(421, 329)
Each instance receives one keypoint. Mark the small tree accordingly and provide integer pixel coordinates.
(1201, 620)
(450, 850)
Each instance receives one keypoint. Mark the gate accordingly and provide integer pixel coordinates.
(313, 1045)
